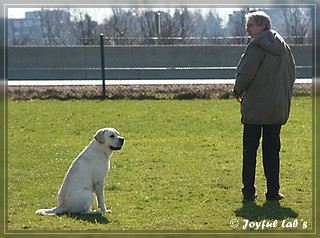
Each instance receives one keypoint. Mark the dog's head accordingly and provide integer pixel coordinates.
(110, 137)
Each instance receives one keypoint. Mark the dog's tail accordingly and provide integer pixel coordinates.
(52, 211)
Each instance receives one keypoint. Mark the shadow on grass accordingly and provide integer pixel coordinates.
(97, 218)
(269, 210)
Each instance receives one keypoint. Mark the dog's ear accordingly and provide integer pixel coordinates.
(99, 136)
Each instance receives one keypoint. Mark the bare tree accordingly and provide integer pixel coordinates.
(55, 26)
(183, 24)
(298, 23)
(138, 26)
(167, 28)
(85, 29)
(236, 26)
(122, 26)
(213, 25)
(147, 26)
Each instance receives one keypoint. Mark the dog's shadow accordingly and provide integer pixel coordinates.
(269, 210)
(96, 218)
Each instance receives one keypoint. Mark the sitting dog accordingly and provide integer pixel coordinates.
(86, 175)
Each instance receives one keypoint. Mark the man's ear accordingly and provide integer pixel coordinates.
(99, 136)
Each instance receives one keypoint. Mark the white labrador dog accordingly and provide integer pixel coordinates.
(86, 175)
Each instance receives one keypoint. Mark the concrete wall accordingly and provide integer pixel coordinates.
(134, 62)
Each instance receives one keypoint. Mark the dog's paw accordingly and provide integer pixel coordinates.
(106, 211)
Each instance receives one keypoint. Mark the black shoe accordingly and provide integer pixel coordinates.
(249, 198)
(275, 198)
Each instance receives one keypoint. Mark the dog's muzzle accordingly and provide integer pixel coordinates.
(121, 142)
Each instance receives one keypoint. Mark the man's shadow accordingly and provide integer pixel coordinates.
(269, 210)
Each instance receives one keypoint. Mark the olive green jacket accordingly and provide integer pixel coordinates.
(264, 80)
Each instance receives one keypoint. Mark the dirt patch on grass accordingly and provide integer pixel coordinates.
(138, 92)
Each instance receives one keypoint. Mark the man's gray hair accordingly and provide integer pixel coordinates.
(261, 18)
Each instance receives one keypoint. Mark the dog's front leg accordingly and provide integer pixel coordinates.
(99, 189)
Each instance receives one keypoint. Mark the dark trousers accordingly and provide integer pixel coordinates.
(270, 153)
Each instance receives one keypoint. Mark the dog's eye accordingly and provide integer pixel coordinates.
(112, 136)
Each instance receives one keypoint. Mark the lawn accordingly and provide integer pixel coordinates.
(179, 171)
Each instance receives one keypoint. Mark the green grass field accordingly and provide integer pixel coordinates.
(180, 168)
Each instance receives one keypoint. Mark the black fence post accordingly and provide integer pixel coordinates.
(103, 73)
(158, 24)
(158, 27)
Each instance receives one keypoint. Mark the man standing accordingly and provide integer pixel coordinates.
(264, 80)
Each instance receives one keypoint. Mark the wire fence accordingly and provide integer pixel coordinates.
(120, 61)
(223, 40)
(145, 41)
